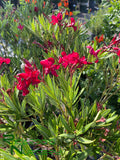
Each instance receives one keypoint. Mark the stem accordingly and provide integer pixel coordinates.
(57, 156)
(71, 75)
(111, 95)
(41, 120)
(101, 101)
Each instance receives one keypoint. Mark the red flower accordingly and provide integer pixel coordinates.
(94, 53)
(56, 19)
(4, 60)
(72, 24)
(49, 66)
(36, 9)
(20, 27)
(29, 77)
(114, 41)
(72, 60)
(117, 51)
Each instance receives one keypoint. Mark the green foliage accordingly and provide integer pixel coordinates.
(106, 19)
(71, 112)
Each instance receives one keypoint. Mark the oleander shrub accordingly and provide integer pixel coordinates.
(56, 88)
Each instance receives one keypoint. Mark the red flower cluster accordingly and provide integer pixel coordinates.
(20, 27)
(72, 60)
(56, 19)
(4, 60)
(49, 66)
(94, 53)
(72, 24)
(29, 77)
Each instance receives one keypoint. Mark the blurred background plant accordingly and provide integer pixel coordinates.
(106, 19)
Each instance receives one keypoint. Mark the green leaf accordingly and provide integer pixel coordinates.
(9, 102)
(80, 124)
(82, 155)
(71, 122)
(64, 135)
(84, 129)
(84, 140)
(26, 149)
(67, 127)
(111, 119)
(6, 156)
(43, 130)
(104, 113)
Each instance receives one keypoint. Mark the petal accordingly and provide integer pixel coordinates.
(56, 67)
(51, 60)
(119, 60)
(63, 54)
(118, 53)
(25, 92)
(22, 75)
(54, 19)
(28, 70)
(44, 63)
(72, 21)
(27, 62)
(59, 16)
(75, 28)
(7, 61)
(54, 73)
(60, 60)
(96, 61)
(88, 47)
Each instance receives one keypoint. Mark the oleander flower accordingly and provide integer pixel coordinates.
(29, 77)
(117, 51)
(94, 53)
(4, 60)
(49, 66)
(72, 61)
(72, 24)
(56, 19)
(20, 27)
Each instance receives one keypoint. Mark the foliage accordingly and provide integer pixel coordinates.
(62, 91)
(106, 19)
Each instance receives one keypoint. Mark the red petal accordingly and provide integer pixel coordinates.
(96, 61)
(59, 16)
(27, 62)
(22, 75)
(51, 60)
(118, 53)
(56, 67)
(63, 54)
(25, 92)
(44, 63)
(75, 28)
(54, 73)
(72, 21)
(7, 60)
